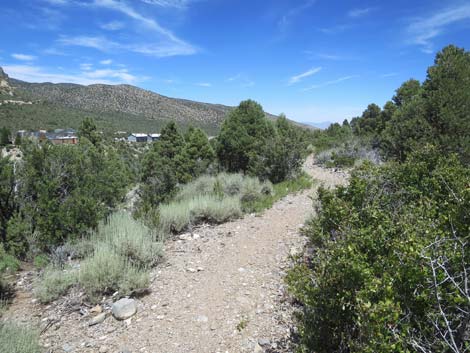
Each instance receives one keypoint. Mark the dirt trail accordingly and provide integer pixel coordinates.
(220, 290)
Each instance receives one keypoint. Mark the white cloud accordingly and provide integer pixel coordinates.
(332, 82)
(99, 43)
(242, 79)
(106, 62)
(298, 78)
(289, 16)
(204, 84)
(86, 67)
(23, 57)
(159, 50)
(178, 4)
(354, 13)
(38, 74)
(57, 2)
(113, 26)
(423, 30)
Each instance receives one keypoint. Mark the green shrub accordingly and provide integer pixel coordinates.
(54, 283)
(177, 216)
(272, 193)
(18, 339)
(201, 186)
(41, 261)
(8, 263)
(130, 239)
(115, 258)
(106, 272)
(389, 257)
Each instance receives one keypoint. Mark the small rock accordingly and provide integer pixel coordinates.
(96, 309)
(185, 237)
(67, 348)
(125, 350)
(264, 342)
(202, 318)
(103, 349)
(124, 308)
(258, 349)
(199, 269)
(196, 236)
(98, 319)
(192, 270)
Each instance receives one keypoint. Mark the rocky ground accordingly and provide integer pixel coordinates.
(220, 289)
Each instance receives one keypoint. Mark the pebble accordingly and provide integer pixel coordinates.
(98, 319)
(264, 342)
(202, 318)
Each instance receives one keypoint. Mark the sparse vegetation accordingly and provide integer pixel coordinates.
(15, 338)
(123, 251)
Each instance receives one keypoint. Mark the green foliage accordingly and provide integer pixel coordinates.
(40, 261)
(389, 253)
(252, 144)
(279, 191)
(4, 136)
(89, 131)
(122, 252)
(7, 196)
(65, 190)
(177, 216)
(334, 136)
(435, 112)
(18, 339)
(171, 161)
(54, 282)
(245, 140)
(198, 153)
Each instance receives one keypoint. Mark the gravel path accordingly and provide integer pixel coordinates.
(221, 289)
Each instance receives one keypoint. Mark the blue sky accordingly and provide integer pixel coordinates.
(314, 60)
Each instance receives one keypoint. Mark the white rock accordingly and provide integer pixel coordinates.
(124, 308)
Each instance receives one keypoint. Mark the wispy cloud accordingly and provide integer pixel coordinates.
(390, 74)
(168, 44)
(300, 77)
(178, 4)
(106, 62)
(113, 26)
(355, 13)
(335, 29)
(423, 30)
(332, 82)
(204, 84)
(39, 74)
(57, 2)
(242, 80)
(86, 66)
(105, 45)
(100, 43)
(293, 12)
(23, 57)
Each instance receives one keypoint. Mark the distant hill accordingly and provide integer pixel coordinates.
(320, 125)
(114, 107)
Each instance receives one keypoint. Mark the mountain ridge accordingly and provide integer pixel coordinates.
(115, 107)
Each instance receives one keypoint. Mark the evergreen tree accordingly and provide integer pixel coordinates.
(198, 152)
(245, 139)
(89, 130)
(4, 136)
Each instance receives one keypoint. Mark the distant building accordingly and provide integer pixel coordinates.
(138, 138)
(143, 137)
(154, 137)
(58, 137)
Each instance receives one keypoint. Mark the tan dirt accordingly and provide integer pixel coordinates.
(220, 289)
